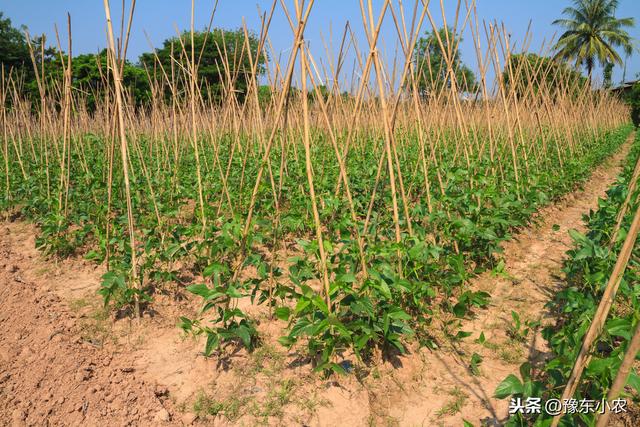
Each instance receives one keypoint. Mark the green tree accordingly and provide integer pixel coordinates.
(90, 71)
(265, 95)
(14, 54)
(634, 101)
(324, 93)
(431, 64)
(220, 47)
(90, 76)
(607, 73)
(14, 51)
(592, 34)
(533, 73)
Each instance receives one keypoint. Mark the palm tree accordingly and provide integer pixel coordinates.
(592, 33)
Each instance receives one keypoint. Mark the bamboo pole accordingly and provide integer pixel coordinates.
(123, 150)
(630, 191)
(622, 376)
(602, 312)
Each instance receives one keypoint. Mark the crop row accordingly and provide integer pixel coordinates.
(589, 265)
(380, 291)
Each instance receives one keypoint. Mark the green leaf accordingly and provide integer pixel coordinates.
(397, 313)
(460, 309)
(577, 236)
(476, 360)
(212, 343)
(346, 278)
(172, 250)
(508, 386)
(320, 304)
(462, 334)
(185, 324)
(338, 369)
(634, 381)
(619, 328)
(199, 289)
(233, 292)
(384, 289)
(283, 313)
(516, 320)
(585, 252)
(525, 370)
(286, 341)
(301, 305)
(480, 299)
(599, 366)
(244, 334)
(213, 268)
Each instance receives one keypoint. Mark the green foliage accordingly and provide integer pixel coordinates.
(89, 71)
(541, 74)
(633, 99)
(212, 49)
(607, 74)
(518, 330)
(474, 365)
(383, 311)
(90, 74)
(231, 325)
(265, 95)
(14, 52)
(324, 93)
(15, 56)
(509, 386)
(592, 34)
(431, 63)
(587, 269)
(359, 319)
(115, 290)
(55, 238)
(91, 77)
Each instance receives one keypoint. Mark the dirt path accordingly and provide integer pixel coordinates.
(64, 362)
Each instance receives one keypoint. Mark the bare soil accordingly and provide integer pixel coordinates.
(49, 375)
(64, 360)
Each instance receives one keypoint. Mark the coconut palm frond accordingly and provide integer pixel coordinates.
(593, 34)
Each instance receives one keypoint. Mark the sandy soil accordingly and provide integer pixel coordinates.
(65, 361)
(49, 375)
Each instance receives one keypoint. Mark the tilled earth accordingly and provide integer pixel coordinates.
(50, 376)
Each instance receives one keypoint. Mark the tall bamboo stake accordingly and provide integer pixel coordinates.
(602, 312)
(123, 150)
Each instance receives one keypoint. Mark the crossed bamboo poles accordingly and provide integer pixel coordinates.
(427, 128)
(401, 113)
(606, 301)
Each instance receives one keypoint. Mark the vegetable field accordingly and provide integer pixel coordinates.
(590, 265)
(342, 224)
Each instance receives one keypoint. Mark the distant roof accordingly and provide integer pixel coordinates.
(625, 85)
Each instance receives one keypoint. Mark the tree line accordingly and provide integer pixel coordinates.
(25, 56)
(592, 36)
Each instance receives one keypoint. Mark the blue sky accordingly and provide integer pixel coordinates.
(159, 18)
